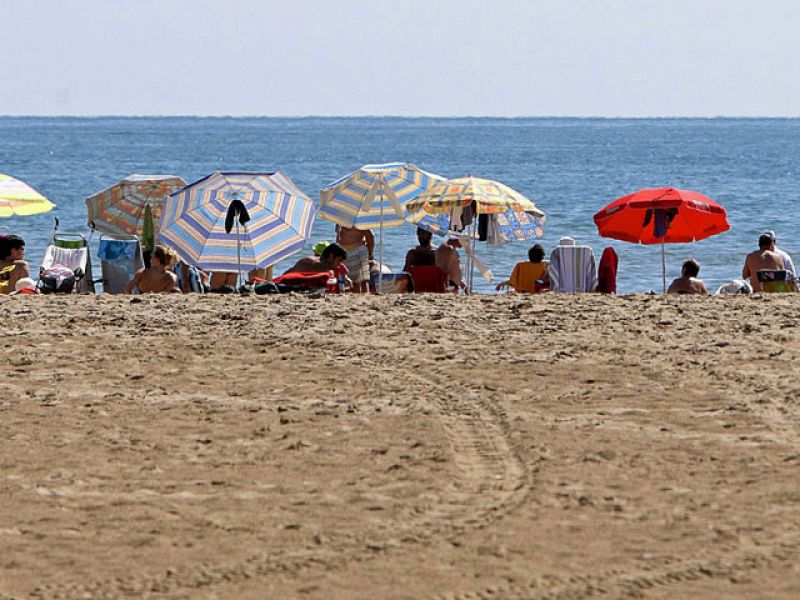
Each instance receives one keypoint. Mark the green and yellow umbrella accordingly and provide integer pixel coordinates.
(18, 198)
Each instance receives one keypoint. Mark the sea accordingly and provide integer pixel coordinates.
(570, 167)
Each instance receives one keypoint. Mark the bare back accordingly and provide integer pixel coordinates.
(153, 281)
(758, 260)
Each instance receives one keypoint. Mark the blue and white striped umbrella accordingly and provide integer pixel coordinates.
(281, 217)
(374, 195)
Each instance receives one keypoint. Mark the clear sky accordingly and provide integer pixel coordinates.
(400, 57)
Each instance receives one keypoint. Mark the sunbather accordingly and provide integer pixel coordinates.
(423, 255)
(12, 264)
(157, 279)
(331, 257)
(529, 277)
(762, 259)
(688, 283)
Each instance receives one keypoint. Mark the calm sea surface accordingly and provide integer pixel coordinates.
(569, 167)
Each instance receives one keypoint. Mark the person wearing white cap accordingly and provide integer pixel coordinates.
(787, 260)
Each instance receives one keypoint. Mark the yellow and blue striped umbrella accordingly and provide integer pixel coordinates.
(281, 217)
(18, 198)
(120, 209)
(490, 197)
(374, 195)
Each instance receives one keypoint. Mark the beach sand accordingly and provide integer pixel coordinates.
(400, 447)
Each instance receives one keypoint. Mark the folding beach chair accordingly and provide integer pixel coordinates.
(776, 281)
(120, 258)
(66, 253)
(572, 268)
(430, 279)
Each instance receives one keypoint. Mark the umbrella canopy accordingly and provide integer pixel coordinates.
(490, 197)
(512, 226)
(18, 198)
(280, 220)
(661, 215)
(120, 209)
(374, 195)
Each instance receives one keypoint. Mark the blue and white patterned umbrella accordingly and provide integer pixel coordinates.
(374, 195)
(281, 217)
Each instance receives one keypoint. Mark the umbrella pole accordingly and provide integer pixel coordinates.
(380, 253)
(472, 258)
(663, 268)
(238, 254)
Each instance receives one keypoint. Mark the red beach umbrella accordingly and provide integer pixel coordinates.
(662, 216)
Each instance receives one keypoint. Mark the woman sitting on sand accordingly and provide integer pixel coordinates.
(156, 279)
(12, 264)
(529, 277)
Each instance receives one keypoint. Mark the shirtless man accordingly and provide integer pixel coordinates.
(12, 264)
(331, 257)
(423, 255)
(360, 246)
(688, 283)
(448, 260)
(763, 258)
(157, 279)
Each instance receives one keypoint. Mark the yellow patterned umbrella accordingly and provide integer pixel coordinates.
(18, 198)
(490, 197)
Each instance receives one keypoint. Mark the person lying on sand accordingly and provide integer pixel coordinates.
(329, 260)
(157, 279)
(688, 283)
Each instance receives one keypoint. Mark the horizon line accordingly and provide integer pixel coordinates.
(390, 116)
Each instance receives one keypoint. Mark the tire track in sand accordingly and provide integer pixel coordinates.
(491, 482)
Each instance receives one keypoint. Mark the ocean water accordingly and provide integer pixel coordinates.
(569, 167)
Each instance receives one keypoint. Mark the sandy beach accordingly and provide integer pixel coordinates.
(400, 447)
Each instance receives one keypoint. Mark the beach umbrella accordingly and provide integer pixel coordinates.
(512, 225)
(374, 196)
(486, 195)
(271, 217)
(121, 209)
(662, 216)
(18, 198)
(516, 215)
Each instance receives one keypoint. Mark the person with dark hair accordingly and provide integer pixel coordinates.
(157, 278)
(423, 255)
(332, 256)
(762, 259)
(688, 283)
(529, 277)
(12, 264)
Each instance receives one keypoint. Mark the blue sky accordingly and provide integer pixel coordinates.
(403, 57)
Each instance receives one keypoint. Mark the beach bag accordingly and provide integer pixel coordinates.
(57, 279)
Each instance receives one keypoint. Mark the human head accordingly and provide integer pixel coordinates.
(162, 254)
(333, 255)
(690, 268)
(765, 241)
(424, 236)
(9, 243)
(536, 253)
